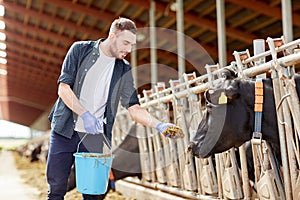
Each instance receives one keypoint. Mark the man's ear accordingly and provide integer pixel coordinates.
(111, 35)
(232, 90)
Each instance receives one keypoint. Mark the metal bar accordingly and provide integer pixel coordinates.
(258, 48)
(288, 117)
(155, 143)
(285, 61)
(179, 143)
(245, 177)
(171, 164)
(131, 190)
(293, 102)
(180, 38)
(287, 20)
(219, 170)
(180, 91)
(153, 53)
(186, 162)
(133, 60)
(171, 190)
(293, 114)
(282, 139)
(144, 153)
(250, 72)
(222, 53)
(278, 49)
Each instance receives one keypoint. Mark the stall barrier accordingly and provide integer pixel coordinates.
(166, 162)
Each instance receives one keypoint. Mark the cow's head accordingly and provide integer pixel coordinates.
(227, 119)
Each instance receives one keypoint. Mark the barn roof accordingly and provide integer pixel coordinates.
(39, 33)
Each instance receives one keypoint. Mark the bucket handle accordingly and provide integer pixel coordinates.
(105, 138)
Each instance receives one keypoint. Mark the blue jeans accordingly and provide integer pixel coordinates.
(61, 159)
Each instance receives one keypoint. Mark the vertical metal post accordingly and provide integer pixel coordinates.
(153, 55)
(259, 47)
(282, 138)
(180, 38)
(278, 94)
(245, 176)
(133, 62)
(222, 53)
(287, 20)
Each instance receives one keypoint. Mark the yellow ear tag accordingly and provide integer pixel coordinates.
(222, 98)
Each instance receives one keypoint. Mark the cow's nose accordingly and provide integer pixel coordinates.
(190, 147)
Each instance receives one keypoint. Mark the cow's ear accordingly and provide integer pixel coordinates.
(228, 74)
(232, 91)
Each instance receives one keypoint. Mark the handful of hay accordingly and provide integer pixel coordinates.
(173, 132)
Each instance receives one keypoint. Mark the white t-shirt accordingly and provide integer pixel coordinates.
(95, 88)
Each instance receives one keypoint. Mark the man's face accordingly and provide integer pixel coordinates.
(122, 43)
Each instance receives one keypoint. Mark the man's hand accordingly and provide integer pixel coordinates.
(170, 130)
(91, 124)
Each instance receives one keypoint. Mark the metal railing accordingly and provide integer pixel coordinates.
(166, 163)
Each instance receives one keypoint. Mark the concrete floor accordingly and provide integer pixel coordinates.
(11, 185)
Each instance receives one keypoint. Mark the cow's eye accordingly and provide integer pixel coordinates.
(207, 94)
(209, 107)
(211, 91)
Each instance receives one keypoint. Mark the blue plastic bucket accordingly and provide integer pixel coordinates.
(92, 172)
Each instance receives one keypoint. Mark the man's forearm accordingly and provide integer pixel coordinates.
(70, 99)
(142, 116)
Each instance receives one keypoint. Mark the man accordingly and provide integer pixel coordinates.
(94, 78)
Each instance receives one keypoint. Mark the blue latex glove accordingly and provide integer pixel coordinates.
(162, 127)
(91, 124)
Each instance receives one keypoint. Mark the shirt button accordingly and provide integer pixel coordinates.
(79, 82)
(74, 121)
(94, 53)
(93, 60)
(85, 69)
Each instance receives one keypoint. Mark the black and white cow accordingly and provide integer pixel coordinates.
(228, 125)
(125, 163)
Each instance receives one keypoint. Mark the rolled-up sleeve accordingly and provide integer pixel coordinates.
(128, 92)
(69, 66)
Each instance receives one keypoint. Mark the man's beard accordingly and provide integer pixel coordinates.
(114, 52)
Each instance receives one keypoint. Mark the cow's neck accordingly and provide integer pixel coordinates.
(269, 120)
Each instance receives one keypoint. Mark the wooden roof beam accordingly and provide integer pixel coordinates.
(265, 9)
(51, 34)
(43, 87)
(171, 38)
(22, 67)
(22, 102)
(38, 31)
(40, 88)
(60, 3)
(199, 21)
(92, 12)
(48, 17)
(89, 11)
(32, 62)
(33, 53)
(30, 91)
(48, 47)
